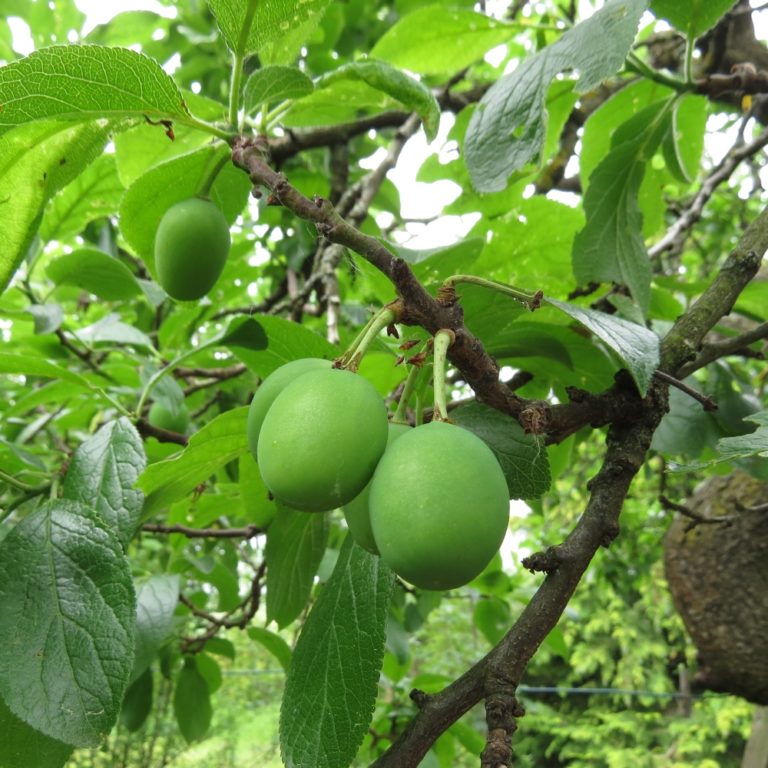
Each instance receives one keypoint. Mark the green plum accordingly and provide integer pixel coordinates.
(173, 420)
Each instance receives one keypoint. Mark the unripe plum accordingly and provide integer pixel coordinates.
(439, 506)
(321, 439)
(164, 418)
(191, 246)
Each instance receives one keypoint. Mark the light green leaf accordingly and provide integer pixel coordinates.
(220, 441)
(93, 194)
(684, 141)
(437, 40)
(51, 154)
(296, 542)
(746, 446)
(260, 509)
(249, 26)
(492, 617)
(509, 125)
(412, 94)
(102, 475)
(46, 317)
(273, 84)
(192, 702)
(637, 347)
(693, 17)
(86, 82)
(66, 639)
(26, 365)
(332, 682)
(96, 272)
(522, 457)
(273, 643)
(110, 329)
(610, 248)
(24, 747)
(150, 196)
(156, 601)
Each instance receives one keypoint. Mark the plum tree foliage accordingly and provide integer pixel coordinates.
(216, 302)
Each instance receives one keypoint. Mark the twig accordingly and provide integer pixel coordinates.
(706, 401)
(717, 349)
(695, 517)
(205, 533)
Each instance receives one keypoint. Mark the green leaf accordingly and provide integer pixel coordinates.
(522, 457)
(296, 542)
(86, 82)
(746, 446)
(24, 747)
(492, 617)
(509, 125)
(95, 193)
(192, 702)
(156, 601)
(260, 509)
(331, 688)
(103, 473)
(437, 40)
(110, 329)
(686, 429)
(637, 347)
(684, 141)
(412, 94)
(46, 317)
(66, 639)
(273, 84)
(150, 196)
(96, 272)
(610, 247)
(30, 366)
(693, 17)
(137, 702)
(220, 441)
(273, 643)
(51, 154)
(249, 26)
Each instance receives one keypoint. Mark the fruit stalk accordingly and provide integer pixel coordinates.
(443, 339)
(350, 360)
(399, 416)
(531, 300)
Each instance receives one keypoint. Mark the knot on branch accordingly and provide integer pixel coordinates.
(534, 419)
(501, 711)
(545, 562)
(419, 698)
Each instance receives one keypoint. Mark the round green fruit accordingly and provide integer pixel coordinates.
(321, 440)
(191, 247)
(439, 506)
(164, 418)
(357, 514)
(271, 387)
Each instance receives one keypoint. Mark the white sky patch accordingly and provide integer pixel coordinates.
(21, 37)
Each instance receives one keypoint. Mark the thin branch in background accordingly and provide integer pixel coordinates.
(146, 429)
(736, 345)
(707, 402)
(248, 532)
(695, 517)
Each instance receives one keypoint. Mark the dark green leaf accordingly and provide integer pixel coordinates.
(51, 153)
(137, 702)
(192, 702)
(509, 125)
(259, 507)
(86, 82)
(522, 458)
(273, 643)
(67, 599)
(295, 545)
(686, 429)
(331, 687)
(103, 473)
(493, 618)
(610, 248)
(411, 93)
(220, 441)
(156, 601)
(96, 272)
(24, 747)
(693, 17)
(637, 347)
(273, 84)
(436, 39)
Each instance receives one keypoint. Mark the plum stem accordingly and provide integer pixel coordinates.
(443, 339)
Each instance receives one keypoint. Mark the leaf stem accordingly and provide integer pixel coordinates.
(636, 64)
(531, 300)
(688, 70)
(443, 339)
(206, 127)
(210, 178)
(17, 484)
(238, 57)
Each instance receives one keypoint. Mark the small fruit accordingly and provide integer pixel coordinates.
(191, 247)
(271, 387)
(439, 506)
(173, 420)
(357, 514)
(321, 440)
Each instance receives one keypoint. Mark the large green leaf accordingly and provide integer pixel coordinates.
(27, 365)
(522, 457)
(24, 747)
(151, 195)
(192, 702)
(156, 601)
(331, 688)
(435, 40)
(272, 84)
(295, 545)
(220, 441)
(693, 17)
(250, 26)
(509, 125)
(411, 93)
(96, 272)
(103, 473)
(85, 83)
(637, 347)
(273, 643)
(36, 161)
(610, 248)
(68, 608)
